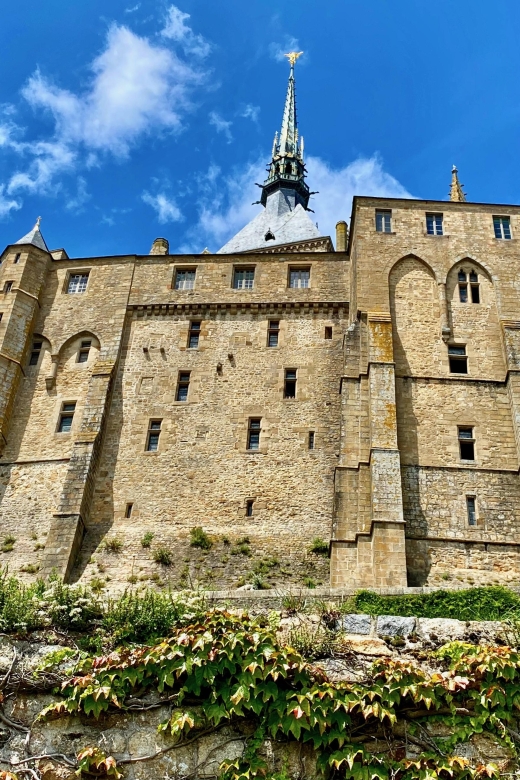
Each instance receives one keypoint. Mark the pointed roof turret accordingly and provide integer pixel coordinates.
(456, 192)
(35, 237)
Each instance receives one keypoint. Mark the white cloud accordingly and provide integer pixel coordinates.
(250, 112)
(82, 196)
(7, 205)
(279, 50)
(177, 30)
(167, 210)
(133, 9)
(226, 203)
(221, 125)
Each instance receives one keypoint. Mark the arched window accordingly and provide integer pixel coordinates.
(269, 236)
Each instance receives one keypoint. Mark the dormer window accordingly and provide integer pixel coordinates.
(269, 236)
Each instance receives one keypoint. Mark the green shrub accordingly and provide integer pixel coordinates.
(199, 538)
(8, 543)
(113, 545)
(319, 546)
(163, 556)
(146, 541)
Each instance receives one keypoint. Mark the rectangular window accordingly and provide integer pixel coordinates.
(84, 351)
(289, 390)
(253, 433)
(17, 258)
(383, 221)
(35, 353)
(311, 440)
(183, 386)
(475, 293)
(299, 278)
(8, 286)
(185, 278)
(434, 224)
(466, 444)
(458, 359)
(154, 432)
(273, 331)
(249, 507)
(77, 283)
(471, 506)
(328, 332)
(66, 416)
(194, 334)
(243, 278)
(128, 510)
(502, 227)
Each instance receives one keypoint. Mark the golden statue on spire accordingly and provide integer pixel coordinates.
(292, 56)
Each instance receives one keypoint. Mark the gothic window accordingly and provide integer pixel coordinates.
(269, 236)
(154, 432)
(185, 278)
(253, 433)
(66, 417)
(299, 277)
(84, 351)
(194, 334)
(35, 353)
(466, 444)
(458, 359)
(243, 278)
(77, 283)
(273, 332)
(471, 508)
(383, 221)
(434, 224)
(183, 385)
(289, 390)
(502, 227)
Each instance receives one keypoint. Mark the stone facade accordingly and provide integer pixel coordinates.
(365, 456)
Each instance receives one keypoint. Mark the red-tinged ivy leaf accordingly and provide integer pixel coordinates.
(297, 712)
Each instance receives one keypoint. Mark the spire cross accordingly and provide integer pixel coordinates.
(292, 56)
(38, 221)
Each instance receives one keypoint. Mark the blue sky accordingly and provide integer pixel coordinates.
(123, 120)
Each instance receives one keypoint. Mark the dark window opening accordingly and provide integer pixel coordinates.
(288, 168)
(328, 332)
(35, 353)
(273, 332)
(458, 359)
(463, 293)
(269, 236)
(473, 277)
(84, 351)
(8, 286)
(472, 509)
(253, 433)
(154, 432)
(311, 440)
(17, 258)
(128, 510)
(462, 276)
(249, 507)
(466, 444)
(384, 221)
(290, 383)
(66, 417)
(183, 386)
(1, 315)
(194, 334)
(475, 293)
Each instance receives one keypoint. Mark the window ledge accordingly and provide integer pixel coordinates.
(436, 235)
(385, 233)
(506, 240)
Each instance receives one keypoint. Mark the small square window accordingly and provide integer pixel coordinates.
(183, 386)
(194, 334)
(299, 278)
(458, 359)
(35, 353)
(185, 278)
(8, 286)
(253, 433)
(471, 507)
(502, 227)
(434, 224)
(243, 278)
(84, 351)
(16, 258)
(273, 332)
(466, 444)
(328, 332)
(77, 283)
(311, 440)
(154, 433)
(66, 417)
(383, 221)
(290, 383)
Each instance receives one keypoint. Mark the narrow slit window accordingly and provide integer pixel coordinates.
(328, 332)
(17, 258)
(77, 283)
(471, 506)
(183, 386)
(463, 286)
(84, 351)
(458, 358)
(185, 278)
(434, 224)
(502, 227)
(273, 333)
(154, 433)
(311, 440)
(474, 287)
(243, 278)
(66, 417)
(128, 510)
(466, 444)
(8, 286)
(1, 315)
(249, 507)
(253, 433)
(194, 334)
(290, 383)
(383, 221)
(299, 278)
(35, 353)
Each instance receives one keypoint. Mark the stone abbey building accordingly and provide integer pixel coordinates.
(276, 392)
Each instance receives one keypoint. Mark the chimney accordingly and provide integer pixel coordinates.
(341, 236)
(160, 247)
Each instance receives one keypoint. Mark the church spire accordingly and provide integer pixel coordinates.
(286, 170)
(35, 237)
(456, 192)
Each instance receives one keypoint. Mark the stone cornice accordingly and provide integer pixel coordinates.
(232, 307)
